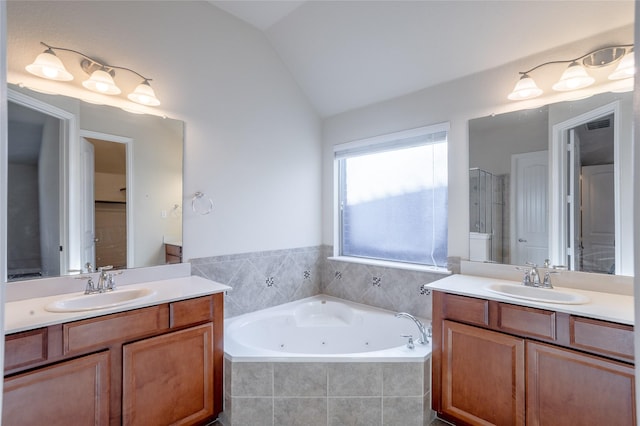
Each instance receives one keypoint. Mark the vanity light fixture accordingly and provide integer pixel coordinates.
(48, 65)
(144, 94)
(626, 68)
(576, 76)
(102, 82)
(525, 88)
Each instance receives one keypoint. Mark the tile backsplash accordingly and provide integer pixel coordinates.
(264, 279)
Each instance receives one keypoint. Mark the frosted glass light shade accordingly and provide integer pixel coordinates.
(626, 68)
(144, 95)
(573, 78)
(525, 88)
(102, 82)
(48, 65)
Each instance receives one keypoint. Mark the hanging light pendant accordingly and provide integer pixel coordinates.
(48, 65)
(626, 68)
(144, 95)
(525, 88)
(102, 82)
(573, 78)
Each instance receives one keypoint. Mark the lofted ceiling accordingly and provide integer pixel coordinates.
(348, 54)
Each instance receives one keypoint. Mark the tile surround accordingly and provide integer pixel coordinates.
(264, 279)
(321, 393)
(327, 394)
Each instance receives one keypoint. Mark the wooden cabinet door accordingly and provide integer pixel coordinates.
(483, 376)
(74, 392)
(169, 379)
(566, 387)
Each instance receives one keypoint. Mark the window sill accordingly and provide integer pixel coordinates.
(390, 264)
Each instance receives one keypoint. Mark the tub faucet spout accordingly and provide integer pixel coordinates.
(424, 339)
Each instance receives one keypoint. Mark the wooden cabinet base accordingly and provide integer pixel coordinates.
(483, 376)
(169, 379)
(496, 363)
(73, 392)
(567, 387)
(156, 365)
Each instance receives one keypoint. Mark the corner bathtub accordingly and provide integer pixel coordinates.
(324, 361)
(322, 328)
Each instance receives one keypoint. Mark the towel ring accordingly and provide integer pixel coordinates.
(200, 204)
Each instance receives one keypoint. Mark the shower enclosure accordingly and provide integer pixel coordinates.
(487, 216)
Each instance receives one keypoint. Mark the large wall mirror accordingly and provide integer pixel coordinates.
(554, 185)
(89, 186)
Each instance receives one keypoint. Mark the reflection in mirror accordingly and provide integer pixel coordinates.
(33, 188)
(108, 181)
(552, 185)
(89, 186)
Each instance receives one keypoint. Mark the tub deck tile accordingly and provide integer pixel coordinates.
(252, 379)
(355, 411)
(300, 411)
(300, 379)
(355, 379)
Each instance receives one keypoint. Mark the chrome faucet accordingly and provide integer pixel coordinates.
(105, 280)
(424, 339)
(531, 275)
(534, 275)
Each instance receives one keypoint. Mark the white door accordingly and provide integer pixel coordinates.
(529, 228)
(87, 202)
(598, 219)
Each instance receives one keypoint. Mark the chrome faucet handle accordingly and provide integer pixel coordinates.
(90, 287)
(110, 280)
(547, 279)
(103, 278)
(111, 283)
(534, 275)
(526, 278)
(410, 344)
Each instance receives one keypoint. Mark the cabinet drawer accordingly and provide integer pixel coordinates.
(602, 337)
(525, 321)
(99, 332)
(191, 311)
(25, 348)
(465, 309)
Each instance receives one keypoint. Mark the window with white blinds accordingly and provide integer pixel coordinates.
(391, 197)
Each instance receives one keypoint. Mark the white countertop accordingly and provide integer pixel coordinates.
(604, 306)
(29, 314)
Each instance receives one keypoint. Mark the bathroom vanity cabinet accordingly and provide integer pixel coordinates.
(496, 363)
(155, 365)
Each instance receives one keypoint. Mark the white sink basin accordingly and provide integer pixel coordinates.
(537, 294)
(92, 302)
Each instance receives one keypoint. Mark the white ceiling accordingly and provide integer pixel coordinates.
(348, 54)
